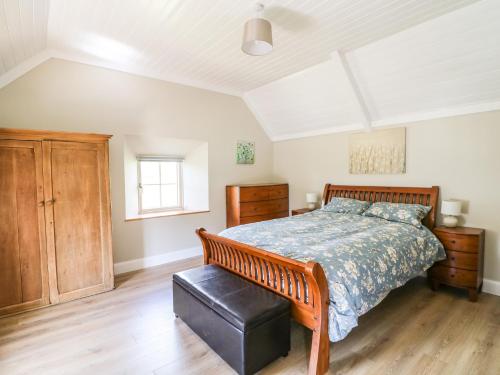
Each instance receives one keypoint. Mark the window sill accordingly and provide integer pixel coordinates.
(164, 214)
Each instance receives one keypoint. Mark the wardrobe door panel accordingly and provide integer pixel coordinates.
(80, 208)
(10, 275)
(23, 261)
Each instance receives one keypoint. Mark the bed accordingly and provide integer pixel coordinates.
(325, 291)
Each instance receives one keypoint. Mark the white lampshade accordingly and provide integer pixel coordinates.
(257, 37)
(451, 207)
(311, 197)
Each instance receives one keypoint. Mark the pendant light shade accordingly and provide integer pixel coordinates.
(257, 37)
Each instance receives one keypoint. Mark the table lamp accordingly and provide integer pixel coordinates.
(451, 209)
(311, 199)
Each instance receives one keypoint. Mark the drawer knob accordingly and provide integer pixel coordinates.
(453, 241)
(452, 258)
(452, 275)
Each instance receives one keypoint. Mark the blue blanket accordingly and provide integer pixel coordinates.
(364, 258)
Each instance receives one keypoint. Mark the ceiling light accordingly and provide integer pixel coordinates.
(257, 35)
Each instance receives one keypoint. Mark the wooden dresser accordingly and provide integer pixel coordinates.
(251, 203)
(463, 266)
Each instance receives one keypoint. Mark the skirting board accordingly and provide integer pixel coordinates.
(491, 287)
(156, 260)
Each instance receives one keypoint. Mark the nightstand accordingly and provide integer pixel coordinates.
(300, 211)
(463, 267)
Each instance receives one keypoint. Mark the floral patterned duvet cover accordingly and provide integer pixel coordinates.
(364, 258)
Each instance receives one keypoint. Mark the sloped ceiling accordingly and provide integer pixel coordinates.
(198, 42)
(337, 65)
(23, 31)
(444, 67)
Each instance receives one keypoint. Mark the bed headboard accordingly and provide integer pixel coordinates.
(416, 195)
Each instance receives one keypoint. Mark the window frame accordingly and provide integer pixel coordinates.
(180, 190)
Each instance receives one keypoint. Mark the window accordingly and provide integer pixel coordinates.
(160, 183)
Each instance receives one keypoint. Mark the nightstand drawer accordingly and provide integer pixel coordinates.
(467, 261)
(459, 242)
(454, 276)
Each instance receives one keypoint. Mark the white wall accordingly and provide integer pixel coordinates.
(196, 179)
(60, 95)
(460, 154)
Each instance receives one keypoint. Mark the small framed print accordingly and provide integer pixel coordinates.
(245, 152)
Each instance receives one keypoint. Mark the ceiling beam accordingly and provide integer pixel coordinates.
(355, 90)
(31, 63)
(23, 68)
(253, 109)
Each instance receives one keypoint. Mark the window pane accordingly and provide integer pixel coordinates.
(150, 197)
(169, 196)
(169, 172)
(150, 172)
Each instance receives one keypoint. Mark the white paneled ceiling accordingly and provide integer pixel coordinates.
(337, 64)
(198, 42)
(446, 63)
(320, 95)
(444, 67)
(23, 31)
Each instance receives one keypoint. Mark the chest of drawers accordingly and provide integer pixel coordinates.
(251, 203)
(463, 266)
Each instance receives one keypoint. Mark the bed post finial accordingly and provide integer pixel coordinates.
(206, 250)
(325, 193)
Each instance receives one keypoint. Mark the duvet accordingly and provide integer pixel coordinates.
(364, 258)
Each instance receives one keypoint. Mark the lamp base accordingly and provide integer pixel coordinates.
(311, 206)
(450, 221)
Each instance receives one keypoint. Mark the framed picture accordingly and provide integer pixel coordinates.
(378, 152)
(245, 152)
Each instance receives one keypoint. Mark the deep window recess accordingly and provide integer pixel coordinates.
(159, 183)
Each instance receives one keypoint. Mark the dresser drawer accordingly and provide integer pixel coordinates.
(459, 242)
(254, 219)
(454, 276)
(263, 207)
(259, 193)
(467, 261)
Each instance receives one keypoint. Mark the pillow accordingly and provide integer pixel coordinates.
(346, 206)
(412, 214)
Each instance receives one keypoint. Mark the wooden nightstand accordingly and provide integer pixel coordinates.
(300, 211)
(463, 267)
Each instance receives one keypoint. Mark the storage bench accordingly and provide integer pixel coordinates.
(247, 325)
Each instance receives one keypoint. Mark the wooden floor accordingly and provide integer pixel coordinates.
(132, 330)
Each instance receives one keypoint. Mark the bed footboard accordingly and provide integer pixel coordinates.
(304, 284)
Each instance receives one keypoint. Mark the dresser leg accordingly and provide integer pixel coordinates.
(472, 294)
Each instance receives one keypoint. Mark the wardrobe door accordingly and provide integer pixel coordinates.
(78, 214)
(23, 259)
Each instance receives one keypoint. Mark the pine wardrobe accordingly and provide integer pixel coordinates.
(55, 218)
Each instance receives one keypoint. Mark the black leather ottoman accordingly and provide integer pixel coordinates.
(247, 325)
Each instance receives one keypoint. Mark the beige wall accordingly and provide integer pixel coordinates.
(60, 95)
(460, 154)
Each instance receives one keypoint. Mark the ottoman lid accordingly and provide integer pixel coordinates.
(240, 302)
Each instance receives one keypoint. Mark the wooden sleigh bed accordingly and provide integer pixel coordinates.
(305, 284)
